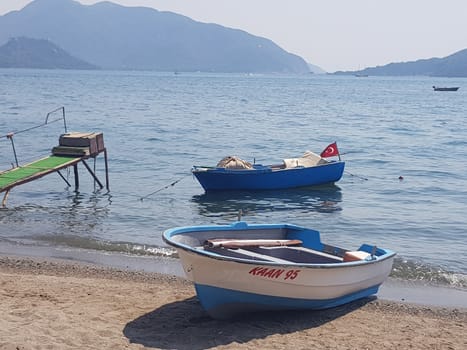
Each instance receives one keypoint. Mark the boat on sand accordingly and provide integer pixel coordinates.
(244, 267)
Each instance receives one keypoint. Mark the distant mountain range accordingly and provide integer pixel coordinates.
(454, 65)
(38, 53)
(111, 36)
(66, 34)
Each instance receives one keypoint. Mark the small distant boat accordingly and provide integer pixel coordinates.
(233, 173)
(437, 88)
(242, 267)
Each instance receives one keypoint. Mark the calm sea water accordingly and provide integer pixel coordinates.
(157, 126)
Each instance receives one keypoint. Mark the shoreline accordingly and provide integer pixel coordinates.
(396, 290)
(63, 304)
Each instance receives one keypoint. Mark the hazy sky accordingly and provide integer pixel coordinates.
(333, 34)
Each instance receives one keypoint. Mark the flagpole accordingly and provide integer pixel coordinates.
(338, 153)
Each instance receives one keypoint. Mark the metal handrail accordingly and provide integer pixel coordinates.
(11, 134)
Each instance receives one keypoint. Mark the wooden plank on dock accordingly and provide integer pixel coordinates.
(29, 172)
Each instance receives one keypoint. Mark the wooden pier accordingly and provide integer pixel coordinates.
(73, 148)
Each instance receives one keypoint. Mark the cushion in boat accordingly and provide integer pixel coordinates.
(356, 256)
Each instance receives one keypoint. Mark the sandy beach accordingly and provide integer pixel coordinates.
(59, 304)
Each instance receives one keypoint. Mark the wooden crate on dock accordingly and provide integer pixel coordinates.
(71, 151)
(93, 141)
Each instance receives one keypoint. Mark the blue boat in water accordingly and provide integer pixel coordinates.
(233, 173)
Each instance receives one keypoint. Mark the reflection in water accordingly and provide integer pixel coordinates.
(76, 220)
(323, 199)
(86, 213)
(76, 215)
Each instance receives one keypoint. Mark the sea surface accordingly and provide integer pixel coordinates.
(405, 148)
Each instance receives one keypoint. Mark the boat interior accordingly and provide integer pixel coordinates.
(279, 254)
(278, 245)
(308, 159)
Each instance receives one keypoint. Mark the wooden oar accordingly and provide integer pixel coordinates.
(239, 243)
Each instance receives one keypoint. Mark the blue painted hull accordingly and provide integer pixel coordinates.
(264, 178)
(224, 303)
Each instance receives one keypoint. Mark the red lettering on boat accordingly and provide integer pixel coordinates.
(291, 274)
(277, 273)
(254, 271)
(267, 272)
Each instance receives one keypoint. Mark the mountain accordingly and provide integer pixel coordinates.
(38, 53)
(315, 69)
(117, 37)
(454, 65)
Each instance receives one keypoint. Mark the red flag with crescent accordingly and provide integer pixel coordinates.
(330, 151)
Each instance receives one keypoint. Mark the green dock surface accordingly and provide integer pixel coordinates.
(25, 173)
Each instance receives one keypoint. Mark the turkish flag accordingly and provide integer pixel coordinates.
(330, 151)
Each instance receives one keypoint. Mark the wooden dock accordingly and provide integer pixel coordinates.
(35, 170)
(73, 149)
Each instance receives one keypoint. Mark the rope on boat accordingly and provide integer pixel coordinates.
(360, 177)
(345, 171)
(164, 187)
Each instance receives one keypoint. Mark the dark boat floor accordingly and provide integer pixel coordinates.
(284, 255)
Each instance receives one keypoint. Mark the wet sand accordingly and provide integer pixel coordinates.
(60, 304)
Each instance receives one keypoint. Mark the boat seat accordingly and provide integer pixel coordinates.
(245, 254)
(297, 255)
(320, 253)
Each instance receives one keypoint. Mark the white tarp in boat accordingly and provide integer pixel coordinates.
(308, 159)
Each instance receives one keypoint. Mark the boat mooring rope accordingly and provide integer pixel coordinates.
(164, 187)
(360, 177)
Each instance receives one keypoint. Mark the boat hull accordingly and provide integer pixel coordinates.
(445, 88)
(264, 178)
(221, 303)
(227, 288)
(295, 271)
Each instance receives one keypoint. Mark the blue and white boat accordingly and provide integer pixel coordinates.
(244, 267)
(233, 173)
